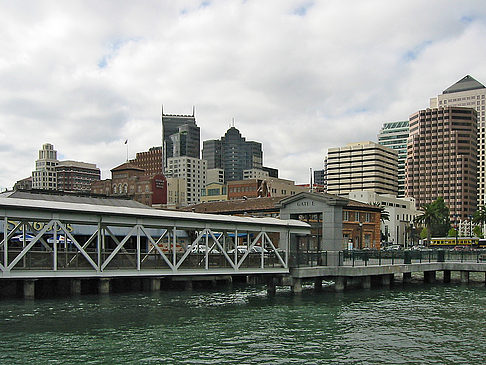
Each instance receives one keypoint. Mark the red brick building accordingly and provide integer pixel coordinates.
(129, 180)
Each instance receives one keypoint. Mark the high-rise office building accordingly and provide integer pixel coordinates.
(233, 154)
(468, 92)
(191, 173)
(395, 135)
(45, 176)
(362, 166)
(180, 136)
(442, 159)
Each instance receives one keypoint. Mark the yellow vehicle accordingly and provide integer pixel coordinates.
(450, 242)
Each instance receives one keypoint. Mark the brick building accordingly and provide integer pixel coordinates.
(129, 180)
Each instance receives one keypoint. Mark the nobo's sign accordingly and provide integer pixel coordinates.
(305, 203)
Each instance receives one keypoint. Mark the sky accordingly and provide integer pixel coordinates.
(299, 76)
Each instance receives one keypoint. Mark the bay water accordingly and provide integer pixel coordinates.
(416, 324)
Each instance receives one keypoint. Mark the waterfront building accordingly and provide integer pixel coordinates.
(395, 135)
(361, 221)
(180, 136)
(192, 171)
(131, 182)
(442, 159)
(398, 229)
(233, 153)
(44, 176)
(76, 176)
(150, 161)
(470, 93)
(362, 166)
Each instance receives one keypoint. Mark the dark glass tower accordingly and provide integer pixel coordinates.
(233, 154)
(180, 136)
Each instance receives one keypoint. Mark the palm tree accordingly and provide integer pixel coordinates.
(384, 214)
(479, 216)
(435, 213)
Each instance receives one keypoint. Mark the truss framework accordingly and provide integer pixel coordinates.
(152, 245)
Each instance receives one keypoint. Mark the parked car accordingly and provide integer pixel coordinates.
(202, 249)
(19, 238)
(60, 239)
(393, 248)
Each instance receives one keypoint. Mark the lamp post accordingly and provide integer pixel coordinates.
(360, 224)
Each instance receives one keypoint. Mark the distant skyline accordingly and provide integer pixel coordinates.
(297, 76)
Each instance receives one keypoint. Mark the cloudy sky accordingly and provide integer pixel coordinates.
(299, 76)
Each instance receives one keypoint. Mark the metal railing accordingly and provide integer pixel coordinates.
(380, 257)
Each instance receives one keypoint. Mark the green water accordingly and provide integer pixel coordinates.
(416, 325)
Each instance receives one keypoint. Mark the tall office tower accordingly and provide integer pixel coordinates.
(362, 166)
(394, 135)
(233, 154)
(76, 176)
(191, 173)
(45, 177)
(442, 159)
(180, 136)
(469, 93)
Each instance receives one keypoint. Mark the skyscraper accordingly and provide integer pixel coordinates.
(233, 154)
(362, 166)
(468, 92)
(442, 159)
(394, 135)
(180, 136)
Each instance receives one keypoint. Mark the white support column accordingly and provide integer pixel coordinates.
(138, 248)
(98, 246)
(5, 235)
(206, 259)
(174, 242)
(54, 246)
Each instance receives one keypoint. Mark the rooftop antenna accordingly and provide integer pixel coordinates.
(193, 110)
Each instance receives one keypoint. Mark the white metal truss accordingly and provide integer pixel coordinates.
(39, 243)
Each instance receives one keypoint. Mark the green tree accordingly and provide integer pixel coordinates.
(435, 218)
(424, 233)
(452, 233)
(478, 232)
(479, 216)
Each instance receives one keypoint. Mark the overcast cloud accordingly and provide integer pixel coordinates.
(298, 76)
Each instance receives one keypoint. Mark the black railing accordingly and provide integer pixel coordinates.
(381, 257)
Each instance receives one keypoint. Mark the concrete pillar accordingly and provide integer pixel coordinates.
(385, 280)
(154, 284)
(104, 286)
(75, 287)
(188, 285)
(296, 286)
(29, 289)
(429, 276)
(447, 276)
(407, 277)
(340, 283)
(318, 284)
(271, 286)
(464, 277)
(366, 282)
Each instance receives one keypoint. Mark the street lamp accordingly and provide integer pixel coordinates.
(360, 235)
